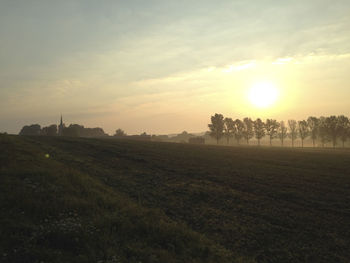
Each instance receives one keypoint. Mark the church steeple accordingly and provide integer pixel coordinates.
(61, 127)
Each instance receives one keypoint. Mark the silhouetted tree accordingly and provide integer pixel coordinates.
(271, 127)
(313, 124)
(119, 133)
(216, 126)
(323, 132)
(282, 132)
(239, 130)
(332, 129)
(92, 132)
(259, 129)
(248, 131)
(228, 129)
(33, 129)
(303, 131)
(144, 134)
(344, 128)
(73, 130)
(183, 137)
(49, 130)
(293, 130)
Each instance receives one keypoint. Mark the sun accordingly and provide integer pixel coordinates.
(263, 94)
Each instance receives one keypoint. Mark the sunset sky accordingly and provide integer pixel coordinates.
(167, 66)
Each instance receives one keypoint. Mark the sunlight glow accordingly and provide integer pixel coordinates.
(263, 94)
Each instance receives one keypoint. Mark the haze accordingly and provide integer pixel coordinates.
(166, 66)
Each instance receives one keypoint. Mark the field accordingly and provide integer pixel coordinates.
(90, 200)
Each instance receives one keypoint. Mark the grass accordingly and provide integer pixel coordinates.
(125, 201)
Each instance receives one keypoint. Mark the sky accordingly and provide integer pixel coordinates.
(167, 66)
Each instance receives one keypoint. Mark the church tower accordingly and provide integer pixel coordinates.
(60, 127)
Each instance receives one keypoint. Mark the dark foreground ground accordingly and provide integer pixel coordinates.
(124, 201)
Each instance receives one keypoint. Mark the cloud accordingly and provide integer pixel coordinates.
(282, 61)
(240, 66)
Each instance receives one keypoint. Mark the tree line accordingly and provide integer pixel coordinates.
(323, 129)
(73, 130)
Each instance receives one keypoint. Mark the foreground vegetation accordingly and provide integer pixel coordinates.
(94, 200)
